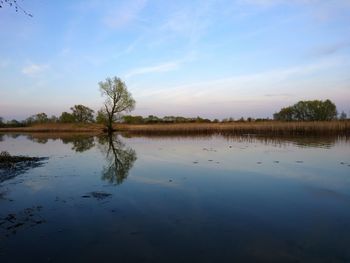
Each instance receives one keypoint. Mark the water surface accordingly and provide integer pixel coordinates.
(176, 199)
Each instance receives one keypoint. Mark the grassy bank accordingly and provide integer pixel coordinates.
(265, 128)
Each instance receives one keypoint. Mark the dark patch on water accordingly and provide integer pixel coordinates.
(11, 166)
(97, 195)
(13, 222)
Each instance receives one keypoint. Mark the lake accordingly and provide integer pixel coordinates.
(175, 199)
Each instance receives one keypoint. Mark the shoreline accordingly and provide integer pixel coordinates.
(267, 128)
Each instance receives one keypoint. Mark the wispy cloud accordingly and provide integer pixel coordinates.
(32, 69)
(161, 67)
(122, 15)
(329, 49)
(164, 67)
(190, 22)
(249, 93)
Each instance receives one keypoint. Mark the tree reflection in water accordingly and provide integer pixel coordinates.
(120, 159)
(80, 143)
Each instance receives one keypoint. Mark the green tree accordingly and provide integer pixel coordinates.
(82, 114)
(41, 118)
(118, 100)
(66, 117)
(129, 119)
(152, 119)
(285, 114)
(315, 110)
(53, 119)
(101, 117)
(37, 118)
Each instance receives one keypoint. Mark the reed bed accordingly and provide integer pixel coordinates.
(235, 128)
(261, 128)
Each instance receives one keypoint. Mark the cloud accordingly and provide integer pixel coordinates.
(153, 69)
(256, 94)
(34, 69)
(162, 67)
(124, 14)
(190, 22)
(330, 49)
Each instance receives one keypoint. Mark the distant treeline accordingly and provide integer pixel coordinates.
(315, 110)
(129, 119)
(312, 110)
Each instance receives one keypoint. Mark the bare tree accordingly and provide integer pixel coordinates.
(14, 4)
(118, 100)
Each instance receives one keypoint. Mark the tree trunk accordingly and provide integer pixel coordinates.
(110, 124)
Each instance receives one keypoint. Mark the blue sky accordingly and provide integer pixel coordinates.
(214, 59)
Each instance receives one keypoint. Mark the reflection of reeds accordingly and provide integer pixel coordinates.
(318, 141)
(57, 127)
(266, 128)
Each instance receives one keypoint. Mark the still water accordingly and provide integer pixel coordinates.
(176, 199)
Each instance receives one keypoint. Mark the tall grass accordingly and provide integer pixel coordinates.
(238, 128)
(265, 128)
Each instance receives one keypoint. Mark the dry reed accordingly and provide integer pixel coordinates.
(265, 128)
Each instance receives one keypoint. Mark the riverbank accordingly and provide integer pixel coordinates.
(266, 128)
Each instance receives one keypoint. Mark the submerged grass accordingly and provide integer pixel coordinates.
(11, 166)
(7, 160)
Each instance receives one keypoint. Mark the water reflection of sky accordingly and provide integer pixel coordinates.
(211, 197)
(286, 160)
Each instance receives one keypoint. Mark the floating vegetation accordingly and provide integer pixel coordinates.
(14, 222)
(11, 166)
(97, 195)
